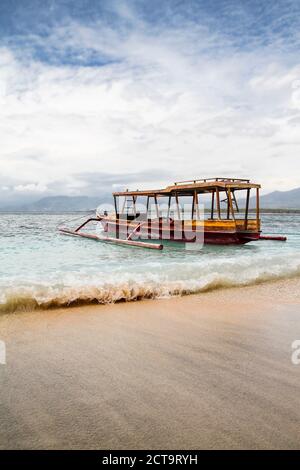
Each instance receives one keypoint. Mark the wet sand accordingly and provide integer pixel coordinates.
(207, 371)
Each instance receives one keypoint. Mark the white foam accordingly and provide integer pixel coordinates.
(151, 280)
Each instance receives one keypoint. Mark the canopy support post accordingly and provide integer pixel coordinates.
(116, 207)
(197, 205)
(124, 204)
(257, 207)
(193, 206)
(235, 201)
(133, 204)
(177, 204)
(169, 206)
(230, 204)
(218, 203)
(156, 207)
(212, 204)
(247, 209)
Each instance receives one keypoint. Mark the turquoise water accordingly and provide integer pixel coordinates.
(40, 267)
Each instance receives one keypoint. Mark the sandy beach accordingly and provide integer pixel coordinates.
(207, 371)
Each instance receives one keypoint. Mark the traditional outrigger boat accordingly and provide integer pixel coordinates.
(224, 223)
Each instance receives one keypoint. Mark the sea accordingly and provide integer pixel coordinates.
(41, 268)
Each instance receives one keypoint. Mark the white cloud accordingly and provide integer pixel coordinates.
(31, 188)
(167, 100)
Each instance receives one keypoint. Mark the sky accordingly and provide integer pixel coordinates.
(99, 95)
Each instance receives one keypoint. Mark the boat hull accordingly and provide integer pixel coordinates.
(208, 232)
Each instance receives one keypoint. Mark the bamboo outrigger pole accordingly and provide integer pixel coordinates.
(118, 241)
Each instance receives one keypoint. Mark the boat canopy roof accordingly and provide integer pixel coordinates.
(188, 188)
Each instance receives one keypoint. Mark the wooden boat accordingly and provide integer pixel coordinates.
(179, 213)
(221, 224)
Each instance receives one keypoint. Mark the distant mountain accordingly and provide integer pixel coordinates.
(59, 204)
(281, 200)
(275, 200)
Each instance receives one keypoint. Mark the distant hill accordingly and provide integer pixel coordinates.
(281, 200)
(58, 204)
(275, 200)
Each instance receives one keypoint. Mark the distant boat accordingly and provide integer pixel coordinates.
(176, 214)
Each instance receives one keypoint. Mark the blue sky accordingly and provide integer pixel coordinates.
(105, 93)
(244, 24)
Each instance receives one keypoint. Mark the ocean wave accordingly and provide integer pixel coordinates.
(229, 274)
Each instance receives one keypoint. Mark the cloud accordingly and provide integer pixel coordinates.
(32, 188)
(108, 101)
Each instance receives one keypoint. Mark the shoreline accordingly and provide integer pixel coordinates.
(210, 370)
(20, 305)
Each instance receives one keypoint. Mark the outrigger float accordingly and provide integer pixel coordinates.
(225, 223)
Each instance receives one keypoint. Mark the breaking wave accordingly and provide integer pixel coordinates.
(173, 280)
